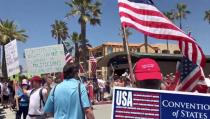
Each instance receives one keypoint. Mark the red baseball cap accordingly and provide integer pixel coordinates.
(147, 69)
(36, 78)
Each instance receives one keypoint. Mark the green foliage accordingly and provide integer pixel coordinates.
(207, 16)
(170, 15)
(75, 37)
(59, 30)
(182, 11)
(87, 10)
(9, 31)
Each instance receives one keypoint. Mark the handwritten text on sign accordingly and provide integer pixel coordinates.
(11, 55)
(45, 59)
(152, 104)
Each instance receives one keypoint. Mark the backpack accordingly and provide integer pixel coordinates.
(41, 98)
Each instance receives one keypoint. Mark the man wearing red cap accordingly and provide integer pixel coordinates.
(148, 74)
(38, 96)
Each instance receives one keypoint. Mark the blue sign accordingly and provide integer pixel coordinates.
(132, 103)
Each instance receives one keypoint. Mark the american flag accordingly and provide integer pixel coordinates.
(81, 69)
(146, 105)
(68, 57)
(190, 75)
(143, 16)
(68, 51)
(93, 64)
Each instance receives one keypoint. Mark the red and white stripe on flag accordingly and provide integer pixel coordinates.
(69, 58)
(93, 64)
(147, 19)
(81, 69)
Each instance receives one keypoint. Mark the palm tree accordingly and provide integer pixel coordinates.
(170, 16)
(8, 32)
(88, 12)
(181, 13)
(207, 16)
(59, 30)
(76, 38)
(127, 33)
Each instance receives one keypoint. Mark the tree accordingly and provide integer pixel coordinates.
(9, 31)
(207, 16)
(181, 13)
(171, 16)
(88, 11)
(128, 33)
(76, 38)
(59, 30)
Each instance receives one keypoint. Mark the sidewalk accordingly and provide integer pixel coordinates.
(100, 111)
(6, 113)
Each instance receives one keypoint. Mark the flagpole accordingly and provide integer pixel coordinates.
(125, 40)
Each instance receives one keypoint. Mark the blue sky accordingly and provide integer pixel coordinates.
(36, 16)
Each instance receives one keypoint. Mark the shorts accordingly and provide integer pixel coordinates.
(5, 97)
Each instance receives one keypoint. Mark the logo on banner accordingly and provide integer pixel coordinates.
(156, 104)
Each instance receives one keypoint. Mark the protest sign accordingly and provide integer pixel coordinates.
(45, 59)
(130, 103)
(11, 55)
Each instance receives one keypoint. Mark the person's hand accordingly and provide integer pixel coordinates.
(15, 82)
(17, 97)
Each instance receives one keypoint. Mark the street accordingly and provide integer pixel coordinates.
(100, 112)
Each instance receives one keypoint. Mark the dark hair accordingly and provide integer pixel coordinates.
(70, 71)
(149, 84)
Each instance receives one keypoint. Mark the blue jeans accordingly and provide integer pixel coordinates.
(22, 110)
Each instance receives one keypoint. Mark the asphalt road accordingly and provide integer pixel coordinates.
(100, 112)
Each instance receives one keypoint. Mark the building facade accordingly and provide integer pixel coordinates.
(115, 47)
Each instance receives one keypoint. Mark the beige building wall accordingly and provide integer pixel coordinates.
(112, 47)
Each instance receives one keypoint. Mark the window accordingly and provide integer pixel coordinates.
(98, 54)
(110, 50)
(138, 50)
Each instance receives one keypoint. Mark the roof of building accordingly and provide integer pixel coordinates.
(104, 61)
(154, 46)
(121, 43)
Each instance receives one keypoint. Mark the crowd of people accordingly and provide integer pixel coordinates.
(72, 97)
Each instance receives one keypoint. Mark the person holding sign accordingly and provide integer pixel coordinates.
(148, 74)
(23, 100)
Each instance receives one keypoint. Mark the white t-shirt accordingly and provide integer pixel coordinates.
(34, 104)
(101, 83)
(5, 90)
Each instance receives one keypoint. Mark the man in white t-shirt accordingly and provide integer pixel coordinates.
(38, 96)
(101, 84)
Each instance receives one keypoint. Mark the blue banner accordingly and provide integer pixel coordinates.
(130, 103)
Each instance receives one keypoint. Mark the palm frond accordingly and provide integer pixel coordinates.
(10, 31)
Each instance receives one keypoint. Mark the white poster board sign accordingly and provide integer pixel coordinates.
(11, 55)
(43, 60)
